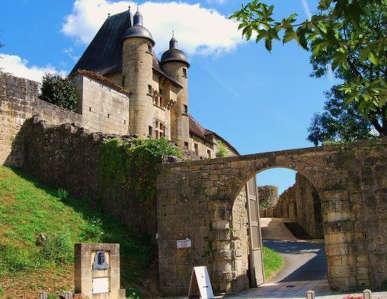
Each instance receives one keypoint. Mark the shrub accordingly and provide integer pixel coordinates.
(63, 194)
(58, 249)
(133, 166)
(92, 230)
(132, 294)
(222, 151)
(59, 91)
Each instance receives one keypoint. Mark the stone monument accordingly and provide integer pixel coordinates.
(97, 271)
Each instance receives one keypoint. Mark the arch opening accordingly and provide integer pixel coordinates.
(283, 222)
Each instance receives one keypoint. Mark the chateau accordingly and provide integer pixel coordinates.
(125, 89)
(199, 212)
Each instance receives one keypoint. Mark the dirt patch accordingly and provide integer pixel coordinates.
(32, 282)
(7, 200)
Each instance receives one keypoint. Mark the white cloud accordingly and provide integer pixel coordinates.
(305, 5)
(19, 67)
(198, 29)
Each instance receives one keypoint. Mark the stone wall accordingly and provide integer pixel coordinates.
(286, 206)
(18, 102)
(299, 203)
(308, 208)
(196, 199)
(240, 243)
(67, 157)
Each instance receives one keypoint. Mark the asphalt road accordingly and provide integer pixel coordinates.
(304, 261)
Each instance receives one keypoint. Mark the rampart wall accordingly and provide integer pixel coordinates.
(18, 102)
(299, 203)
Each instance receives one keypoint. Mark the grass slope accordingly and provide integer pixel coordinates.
(272, 262)
(28, 210)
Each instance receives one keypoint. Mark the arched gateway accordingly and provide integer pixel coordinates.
(200, 200)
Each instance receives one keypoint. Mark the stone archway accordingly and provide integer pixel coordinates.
(195, 201)
(247, 237)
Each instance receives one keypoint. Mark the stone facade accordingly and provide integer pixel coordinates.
(103, 109)
(194, 198)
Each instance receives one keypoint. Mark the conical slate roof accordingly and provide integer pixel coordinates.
(104, 54)
(173, 54)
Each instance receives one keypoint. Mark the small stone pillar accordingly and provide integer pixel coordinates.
(310, 294)
(97, 271)
(367, 294)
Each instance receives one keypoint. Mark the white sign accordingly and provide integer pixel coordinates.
(100, 285)
(184, 243)
(200, 284)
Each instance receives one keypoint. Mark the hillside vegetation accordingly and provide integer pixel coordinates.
(38, 229)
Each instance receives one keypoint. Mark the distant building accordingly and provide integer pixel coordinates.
(126, 89)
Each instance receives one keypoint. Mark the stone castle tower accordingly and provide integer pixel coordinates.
(138, 60)
(126, 89)
(137, 72)
(176, 65)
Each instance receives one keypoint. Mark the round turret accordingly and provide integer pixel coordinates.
(138, 29)
(174, 62)
(173, 54)
(137, 74)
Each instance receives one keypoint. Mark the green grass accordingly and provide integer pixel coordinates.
(272, 262)
(29, 209)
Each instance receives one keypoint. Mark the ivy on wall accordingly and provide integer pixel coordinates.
(133, 166)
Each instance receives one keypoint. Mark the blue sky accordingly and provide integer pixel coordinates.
(259, 101)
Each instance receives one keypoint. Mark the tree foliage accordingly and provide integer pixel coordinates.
(59, 91)
(339, 122)
(346, 36)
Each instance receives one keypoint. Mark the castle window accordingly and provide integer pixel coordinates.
(159, 129)
(150, 131)
(90, 109)
(196, 146)
(150, 89)
(185, 109)
(123, 81)
(124, 121)
(108, 116)
(186, 145)
(162, 131)
(185, 73)
(209, 154)
(150, 48)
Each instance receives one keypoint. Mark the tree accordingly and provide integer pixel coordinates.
(59, 91)
(348, 36)
(340, 121)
